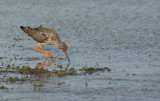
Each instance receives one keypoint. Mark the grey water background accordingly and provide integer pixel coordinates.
(123, 35)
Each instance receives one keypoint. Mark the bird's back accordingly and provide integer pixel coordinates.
(49, 33)
(40, 34)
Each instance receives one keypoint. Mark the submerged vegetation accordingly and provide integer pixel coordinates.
(11, 74)
(3, 87)
(91, 70)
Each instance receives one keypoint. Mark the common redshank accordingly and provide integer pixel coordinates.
(46, 36)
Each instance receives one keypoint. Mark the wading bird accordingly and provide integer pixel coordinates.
(46, 36)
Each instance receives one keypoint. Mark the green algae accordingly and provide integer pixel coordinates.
(38, 84)
(32, 71)
(3, 87)
(91, 70)
(40, 73)
(68, 72)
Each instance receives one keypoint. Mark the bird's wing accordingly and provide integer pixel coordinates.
(39, 37)
(35, 33)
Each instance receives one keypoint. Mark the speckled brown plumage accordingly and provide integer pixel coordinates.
(41, 35)
(45, 36)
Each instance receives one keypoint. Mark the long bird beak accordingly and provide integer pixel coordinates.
(66, 54)
(67, 59)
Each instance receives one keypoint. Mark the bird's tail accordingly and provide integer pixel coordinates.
(28, 30)
(34, 33)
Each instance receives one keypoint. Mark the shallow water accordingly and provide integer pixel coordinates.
(122, 35)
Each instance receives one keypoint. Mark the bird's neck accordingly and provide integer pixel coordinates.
(58, 43)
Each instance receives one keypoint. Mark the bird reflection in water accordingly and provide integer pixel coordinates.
(49, 63)
(46, 64)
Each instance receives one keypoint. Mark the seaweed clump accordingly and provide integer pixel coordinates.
(12, 79)
(91, 70)
(15, 79)
(32, 71)
(3, 87)
(61, 73)
(37, 71)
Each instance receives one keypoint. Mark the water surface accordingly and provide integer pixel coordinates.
(122, 35)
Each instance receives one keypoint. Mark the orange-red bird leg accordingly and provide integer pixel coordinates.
(44, 52)
(43, 65)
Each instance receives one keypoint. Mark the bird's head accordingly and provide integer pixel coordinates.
(63, 48)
